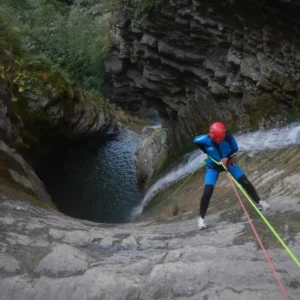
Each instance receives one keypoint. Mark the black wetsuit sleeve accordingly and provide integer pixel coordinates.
(233, 144)
(202, 147)
(200, 142)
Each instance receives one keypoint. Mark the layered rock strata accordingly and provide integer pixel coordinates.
(199, 61)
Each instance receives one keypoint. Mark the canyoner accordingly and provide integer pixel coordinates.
(222, 146)
(233, 181)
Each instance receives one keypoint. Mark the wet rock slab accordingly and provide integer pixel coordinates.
(45, 255)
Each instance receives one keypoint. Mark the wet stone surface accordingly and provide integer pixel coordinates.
(46, 255)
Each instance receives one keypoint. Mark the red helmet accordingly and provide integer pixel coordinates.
(217, 132)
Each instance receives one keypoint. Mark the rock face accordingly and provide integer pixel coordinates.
(8, 130)
(55, 112)
(150, 154)
(45, 255)
(21, 173)
(199, 61)
(59, 111)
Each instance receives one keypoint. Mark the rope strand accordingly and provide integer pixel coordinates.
(284, 292)
(288, 250)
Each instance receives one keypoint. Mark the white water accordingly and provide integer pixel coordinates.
(256, 141)
(150, 127)
(270, 139)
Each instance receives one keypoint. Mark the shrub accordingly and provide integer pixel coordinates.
(73, 39)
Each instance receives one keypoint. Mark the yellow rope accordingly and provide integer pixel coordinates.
(262, 216)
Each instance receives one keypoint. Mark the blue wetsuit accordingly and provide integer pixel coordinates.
(227, 148)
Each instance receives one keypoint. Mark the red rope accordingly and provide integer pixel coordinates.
(286, 297)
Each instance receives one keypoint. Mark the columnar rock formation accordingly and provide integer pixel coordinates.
(200, 60)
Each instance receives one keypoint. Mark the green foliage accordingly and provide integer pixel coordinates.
(41, 63)
(22, 72)
(68, 37)
(10, 48)
(38, 62)
(70, 40)
(145, 6)
(11, 70)
(9, 40)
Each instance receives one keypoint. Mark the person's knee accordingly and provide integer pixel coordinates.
(247, 185)
(243, 180)
(208, 190)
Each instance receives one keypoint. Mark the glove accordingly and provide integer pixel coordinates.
(227, 161)
(231, 161)
(224, 161)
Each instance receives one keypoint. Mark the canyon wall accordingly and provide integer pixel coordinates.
(200, 61)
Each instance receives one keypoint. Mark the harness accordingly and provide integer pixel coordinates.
(218, 167)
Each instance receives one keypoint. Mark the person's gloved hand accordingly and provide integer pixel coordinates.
(230, 161)
(224, 161)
